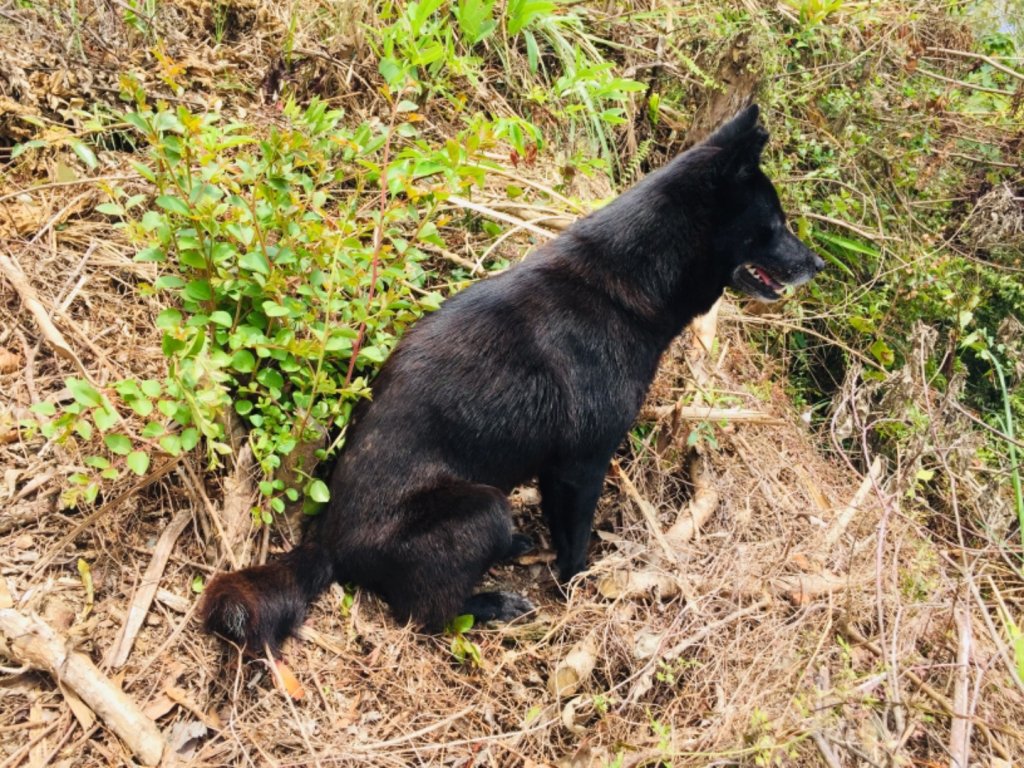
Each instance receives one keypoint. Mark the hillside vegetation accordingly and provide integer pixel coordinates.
(218, 217)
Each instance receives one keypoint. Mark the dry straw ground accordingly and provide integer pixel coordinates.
(757, 600)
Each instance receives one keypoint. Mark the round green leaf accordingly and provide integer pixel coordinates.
(270, 378)
(273, 309)
(138, 462)
(83, 392)
(318, 492)
(171, 444)
(255, 261)
(243, 361)
(189, 438)
(44, 408)
(118, 444)
(198, 290)
(173, 204)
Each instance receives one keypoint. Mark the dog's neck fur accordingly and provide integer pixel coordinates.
(677, 282)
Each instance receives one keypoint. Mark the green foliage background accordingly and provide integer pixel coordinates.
(293, 252)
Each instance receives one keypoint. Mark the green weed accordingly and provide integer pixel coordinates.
(289, 262)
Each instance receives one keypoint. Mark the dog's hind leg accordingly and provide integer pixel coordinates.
(568, 498)
(451, 535)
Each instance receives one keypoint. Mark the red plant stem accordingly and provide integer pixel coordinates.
(378, 245)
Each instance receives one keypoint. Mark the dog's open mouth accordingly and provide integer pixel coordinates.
(766, 279)
(758, 282)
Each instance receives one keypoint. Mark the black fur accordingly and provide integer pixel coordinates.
(536, 373)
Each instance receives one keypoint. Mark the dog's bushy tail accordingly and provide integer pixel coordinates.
(263, 606)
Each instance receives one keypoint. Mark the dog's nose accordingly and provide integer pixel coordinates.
(819, 263)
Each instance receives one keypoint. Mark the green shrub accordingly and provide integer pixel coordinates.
(289, 261)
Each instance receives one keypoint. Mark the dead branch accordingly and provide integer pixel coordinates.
(960, 728)
(801, 588)
(29, 640)
(195, 484)
(700, 507)
(120, 650)
(623, 583)
(646, 508)
(706, 413)
(572, 671)
(235, 509)
(12, 271)
(498, 216)
(847, 513)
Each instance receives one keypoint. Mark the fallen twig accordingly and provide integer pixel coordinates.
(30, 299)
(847, 513)
(499, 216)
(89, 519)
(176, 603)
(572, 671)
(71, 183)
(92, 517)
(700, 507)
(624, 583)
(627, 583)
(32, 641)
(454, 258)
(827, 754)
(960, 728)
(119, 651)
(801, 588)
(649, 513)
(981, 57)
(706, 413)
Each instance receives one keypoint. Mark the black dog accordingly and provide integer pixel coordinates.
(538, 372)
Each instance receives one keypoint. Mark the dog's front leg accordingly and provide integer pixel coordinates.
(568, 497)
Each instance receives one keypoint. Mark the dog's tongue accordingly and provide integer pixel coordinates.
(766, 278)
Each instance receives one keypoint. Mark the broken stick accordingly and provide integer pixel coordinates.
(707, 413)
(12, 271)
(572, 671)
(30, 640)
(649, 512)
(846, 515)
(702, 505)
(623, 583)
(118, 653)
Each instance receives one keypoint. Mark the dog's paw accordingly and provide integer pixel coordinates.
(497, 606)
(519, 545)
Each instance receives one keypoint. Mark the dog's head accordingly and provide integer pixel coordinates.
(762, 255)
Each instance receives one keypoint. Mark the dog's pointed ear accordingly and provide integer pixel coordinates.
(742, 123)
(741, 141)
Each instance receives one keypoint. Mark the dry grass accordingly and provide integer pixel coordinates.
(782, 640)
